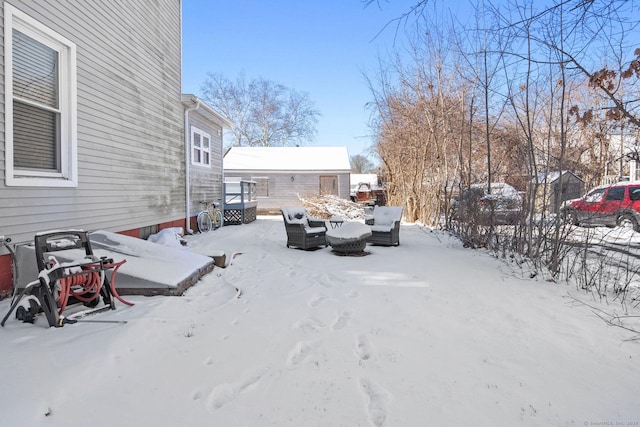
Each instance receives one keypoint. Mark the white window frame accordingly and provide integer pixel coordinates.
(203, 134)
(67, 88)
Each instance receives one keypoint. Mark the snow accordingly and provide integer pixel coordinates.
(499, 189)
(287, 159)
(424, 334)
(164, 264)
(348, 232)
(171, 237)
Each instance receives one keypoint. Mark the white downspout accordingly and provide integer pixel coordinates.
(223, 186)
(187, 165)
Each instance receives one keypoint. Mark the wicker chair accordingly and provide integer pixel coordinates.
(385, 225)
(303, 231)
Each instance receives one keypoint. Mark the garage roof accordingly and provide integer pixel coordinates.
(287, 159)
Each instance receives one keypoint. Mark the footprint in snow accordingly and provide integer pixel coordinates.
(376, 401)
(225, 393)
(309, 325)
(328, 280)
(316, 300)
(341, 321)
(363, 349)
(299, 352)
(353, 294)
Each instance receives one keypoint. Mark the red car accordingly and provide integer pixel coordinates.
(610, 205)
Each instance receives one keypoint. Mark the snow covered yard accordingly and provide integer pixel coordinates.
(424, 334)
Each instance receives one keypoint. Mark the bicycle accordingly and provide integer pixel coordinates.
(209, 219)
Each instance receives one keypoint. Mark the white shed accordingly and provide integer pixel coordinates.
(284, 174)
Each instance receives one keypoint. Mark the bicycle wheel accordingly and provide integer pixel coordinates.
(217, 219)
(204, 222)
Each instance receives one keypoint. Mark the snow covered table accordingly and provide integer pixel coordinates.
(351, 237)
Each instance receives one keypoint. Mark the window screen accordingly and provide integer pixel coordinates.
(36, 120)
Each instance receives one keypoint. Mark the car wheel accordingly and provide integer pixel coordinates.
(628, 221)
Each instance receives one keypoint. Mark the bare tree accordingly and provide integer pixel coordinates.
(570, 72)
(418, 119)
(264, 113)
(361, 164)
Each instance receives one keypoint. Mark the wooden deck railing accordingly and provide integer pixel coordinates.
(240, 202)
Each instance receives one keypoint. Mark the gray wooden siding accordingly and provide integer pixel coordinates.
(130, 120)
(206, 183)
(284, 192)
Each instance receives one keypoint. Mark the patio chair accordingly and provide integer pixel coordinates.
(385, 225)
(303, 231)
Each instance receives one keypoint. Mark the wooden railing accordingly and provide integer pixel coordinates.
(240, 192)
(612, 179)
(240, 202)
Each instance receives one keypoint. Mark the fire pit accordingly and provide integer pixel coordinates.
(350, 238)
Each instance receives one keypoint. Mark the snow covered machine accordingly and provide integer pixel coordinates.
(82, 281)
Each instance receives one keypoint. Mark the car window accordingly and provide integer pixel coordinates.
(615, 194)
(634, 193)
(594, 196)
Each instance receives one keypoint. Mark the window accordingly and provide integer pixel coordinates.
(200, 147)
(634, 193)
(40, 104)
(594, 196)
(262, 186)
(616, 194)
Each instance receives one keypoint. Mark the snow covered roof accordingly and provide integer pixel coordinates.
(287, 159)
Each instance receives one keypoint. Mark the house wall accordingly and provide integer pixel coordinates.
(205, 182)
(129, 121)
(283, 191)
